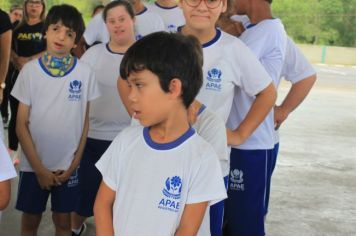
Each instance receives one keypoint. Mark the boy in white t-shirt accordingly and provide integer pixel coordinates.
(52, 123)
(160, 178)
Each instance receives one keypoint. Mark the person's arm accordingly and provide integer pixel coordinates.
(21, 61)
(45, 177)
(5, 192)
(260, 108)
(294, 98)
(64, 176)
(103, 210)
(124, 90)
(191, 219)
(5, 49)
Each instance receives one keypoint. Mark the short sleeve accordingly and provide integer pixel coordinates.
(22, 89)
(7, 170)
(94, 29)
(109, 164)
(296, 66)
(254, 77)
(206, 184)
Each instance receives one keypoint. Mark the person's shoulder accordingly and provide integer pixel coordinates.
(95, 49)
(200, 147)
(233, 46)
(150, 14)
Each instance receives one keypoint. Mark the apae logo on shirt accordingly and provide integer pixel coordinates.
(214, 80)
(75, 90)
(172, 194)
(236, 180)
(172, 28)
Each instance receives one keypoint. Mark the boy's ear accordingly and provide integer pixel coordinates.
(74, 46)
(175, 88)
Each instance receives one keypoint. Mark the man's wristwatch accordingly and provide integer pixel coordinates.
(2, 85)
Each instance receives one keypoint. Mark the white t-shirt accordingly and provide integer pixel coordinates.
(146, 22)
(212, 129)
(229, 66)
(107, 114)
(154, 182)
(296, 67)
(267, 40)
(7, 169)
(57, 110)
(172, 16)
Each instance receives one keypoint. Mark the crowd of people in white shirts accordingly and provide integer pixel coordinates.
(234, 112)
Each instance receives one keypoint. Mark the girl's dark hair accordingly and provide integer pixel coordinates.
(69, 16)
(128, 7)
(168, 56)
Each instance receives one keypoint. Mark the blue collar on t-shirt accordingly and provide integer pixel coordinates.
(207, 44)
(166, 8)
(201, 109)
(47, 72)
(111, 51)
(167, 146)
(143, 11)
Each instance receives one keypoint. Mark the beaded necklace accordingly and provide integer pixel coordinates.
(57, 66)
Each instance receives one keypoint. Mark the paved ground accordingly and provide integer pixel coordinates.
(314, 185)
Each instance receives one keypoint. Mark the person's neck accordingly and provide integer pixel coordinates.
(259, 12)
(173, 127)
(33, 21)
(120, 48)
(203, 36)
(167, 3)
(138, 7)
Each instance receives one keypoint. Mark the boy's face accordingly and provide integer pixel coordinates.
(202, 14)
(147, 99)
(60, 39)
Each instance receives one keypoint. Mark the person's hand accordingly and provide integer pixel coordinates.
(230, 26)
(233, 138)
(62, 175)
(47, 179)
(280, 115)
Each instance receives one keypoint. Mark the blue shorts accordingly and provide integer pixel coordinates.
(32, 199)
(217, 215)
(245, 206)
(89, 176)
(270, 166)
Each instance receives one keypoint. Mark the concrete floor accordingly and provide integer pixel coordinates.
(314, 185)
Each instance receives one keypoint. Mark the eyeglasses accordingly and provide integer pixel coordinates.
(211, 4)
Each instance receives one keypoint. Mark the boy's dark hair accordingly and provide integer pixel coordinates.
(128, 7)
(69, 16)
(168, 56)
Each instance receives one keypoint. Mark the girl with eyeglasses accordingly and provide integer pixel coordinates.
(28, 43)
(229, 68)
